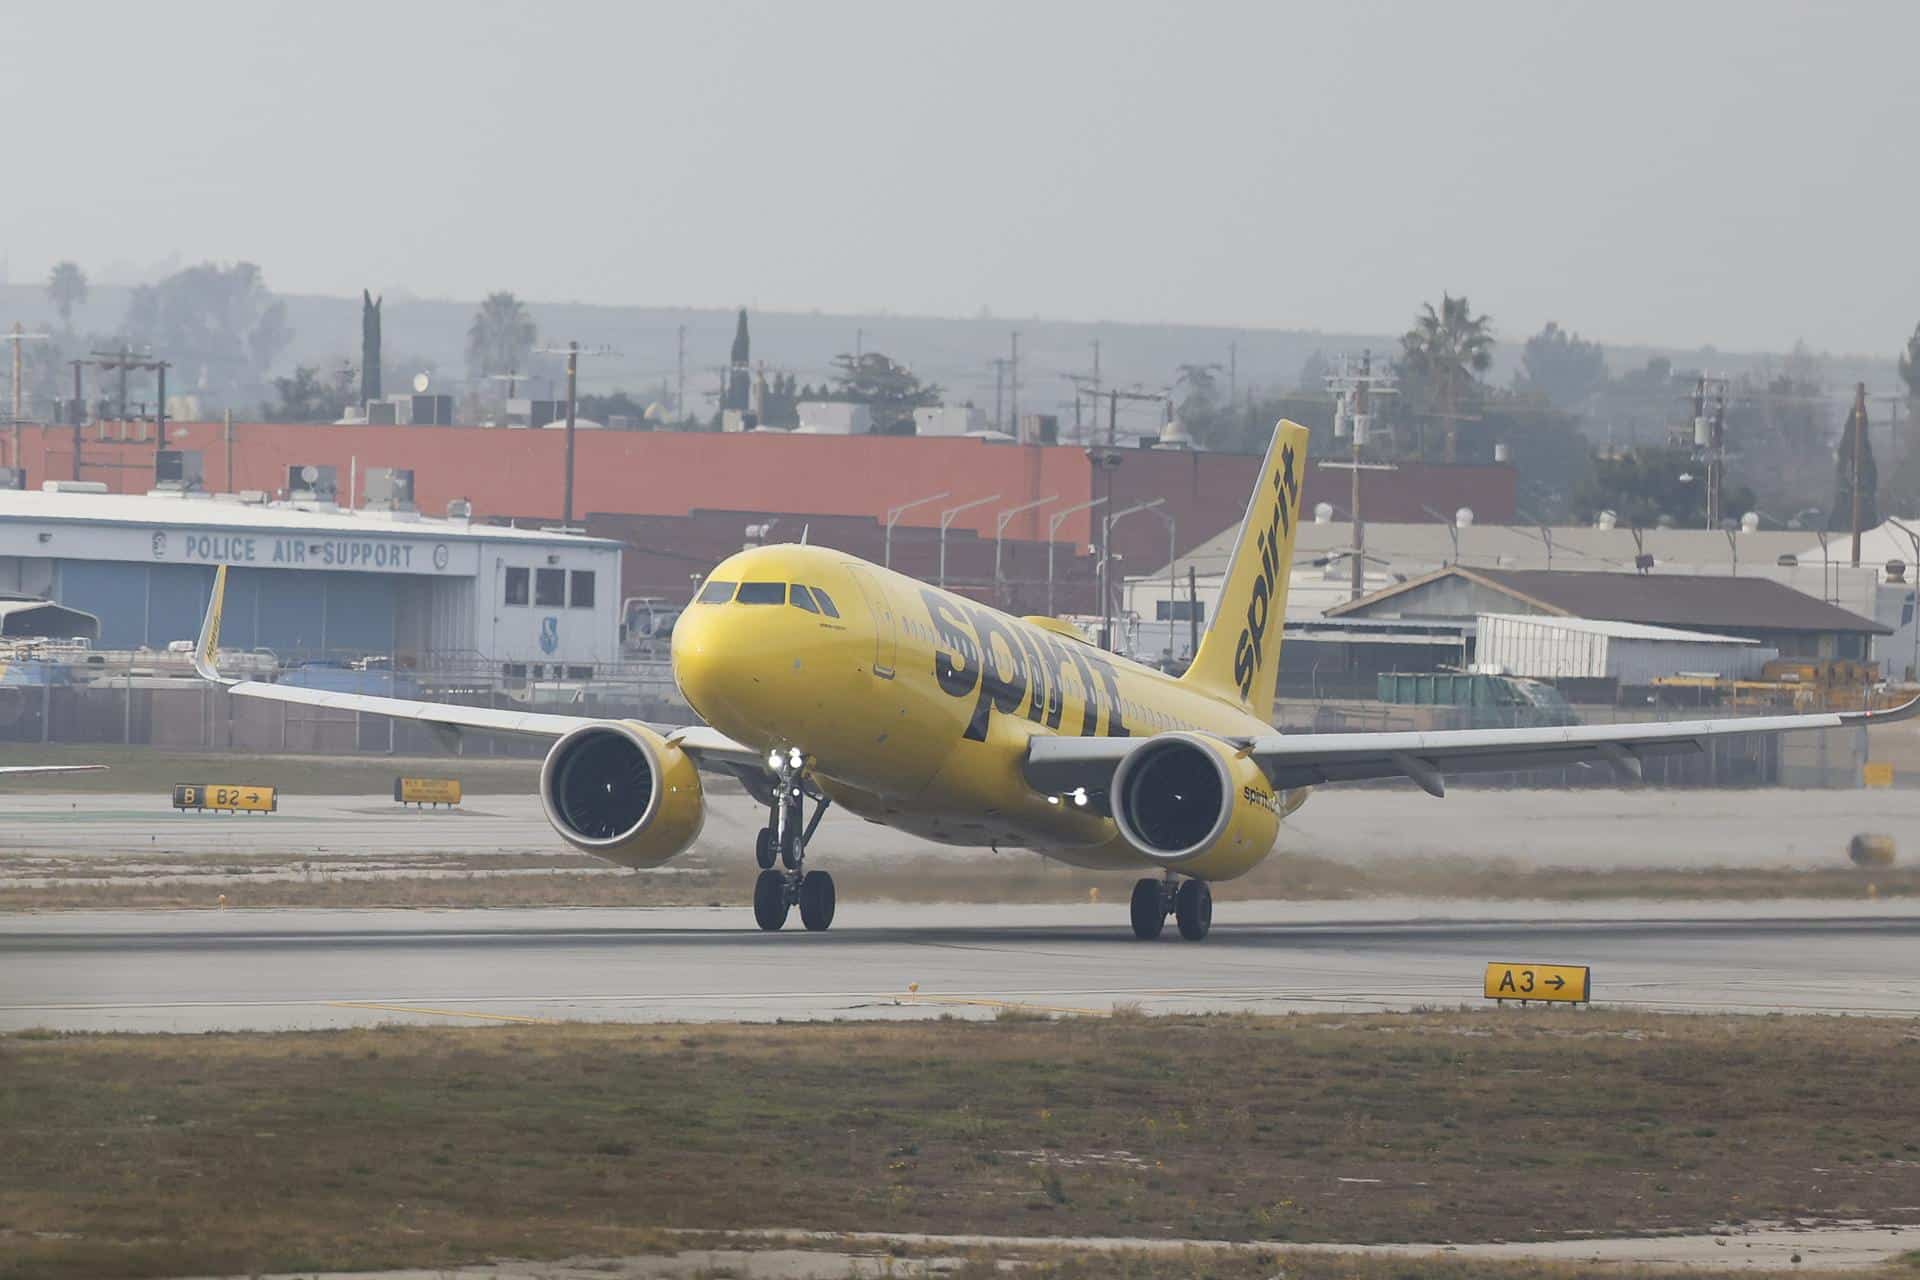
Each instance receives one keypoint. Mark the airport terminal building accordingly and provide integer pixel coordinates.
(315, 583)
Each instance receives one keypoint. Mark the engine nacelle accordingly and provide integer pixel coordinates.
(622, 792)
(1195, 804)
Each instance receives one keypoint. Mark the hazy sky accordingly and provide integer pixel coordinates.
(1734, 173)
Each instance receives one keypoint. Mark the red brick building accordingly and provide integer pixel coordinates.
(684, 499)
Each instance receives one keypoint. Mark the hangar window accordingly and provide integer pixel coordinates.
(516, 586)
(804, 599)
(579, 673)
(1179, 611)
(825, 602)
(514, 670)
(716, 593)
(762, 593)
(549, 588)
(581, 594)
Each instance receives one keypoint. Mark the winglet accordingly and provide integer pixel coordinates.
(1886, 715)
(206, 649)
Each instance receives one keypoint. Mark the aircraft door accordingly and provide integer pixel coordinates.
(886, 635)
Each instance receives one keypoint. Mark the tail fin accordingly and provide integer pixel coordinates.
(206, 650)
(1239, 656)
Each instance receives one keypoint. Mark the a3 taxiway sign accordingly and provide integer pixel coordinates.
(1566, 983)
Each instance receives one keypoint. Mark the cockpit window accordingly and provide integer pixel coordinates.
(716, 593)
(804, 598)
(825, 602)
(762, 593)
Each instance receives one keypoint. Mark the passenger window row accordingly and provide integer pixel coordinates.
(812, 599)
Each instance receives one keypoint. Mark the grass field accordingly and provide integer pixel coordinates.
(129, 1155)
(577, 880)
(156, 769)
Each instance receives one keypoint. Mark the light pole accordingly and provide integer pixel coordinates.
(1000, 523)
(1054, 522)
(1172, 583)
(946, 518)
(893, 518)
(1106, 570)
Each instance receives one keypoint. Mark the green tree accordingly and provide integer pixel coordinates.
(1845, 478)
(1649, 487)
(1443, 356)
(310, 396)
(1561, 366)
(886, 386)
(501, 337)
(1903, 488)
(220, 326)
(66, 289)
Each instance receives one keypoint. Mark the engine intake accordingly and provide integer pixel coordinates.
(622, 792)
(1193, 802)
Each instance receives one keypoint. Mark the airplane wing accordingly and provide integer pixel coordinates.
(18, 769)
(707, 746)
(1056, 765)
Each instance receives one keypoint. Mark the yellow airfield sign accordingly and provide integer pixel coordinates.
(1567, 983)
(231, 797)
(427, 790)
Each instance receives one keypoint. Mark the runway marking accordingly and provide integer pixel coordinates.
(444, 1013)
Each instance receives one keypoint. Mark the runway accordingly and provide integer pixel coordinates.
(198, 971)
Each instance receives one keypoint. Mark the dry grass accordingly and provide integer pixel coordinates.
(570, 880)
(131, 1155)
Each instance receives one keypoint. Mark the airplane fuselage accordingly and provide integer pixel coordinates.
(914, 705)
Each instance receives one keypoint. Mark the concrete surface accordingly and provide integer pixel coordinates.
(797, 1255)
(194, 971)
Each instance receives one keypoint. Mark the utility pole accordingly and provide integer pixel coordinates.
(1353, 395)
(1013, 386)
(79, 417)
(1859, 457)
(999, 392)
(572, 351)
(1710, 437)
(18, 336)
(680, 374)
(1233, 375)
(1114, 397)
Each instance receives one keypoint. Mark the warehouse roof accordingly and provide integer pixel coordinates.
(1661, 599)
(227, 512)
(1618, 630)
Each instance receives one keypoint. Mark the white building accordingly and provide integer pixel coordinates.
(317, 583)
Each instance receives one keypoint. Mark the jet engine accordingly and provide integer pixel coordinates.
(1195, 804)
(622, 792)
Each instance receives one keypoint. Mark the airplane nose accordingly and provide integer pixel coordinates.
(706, 658)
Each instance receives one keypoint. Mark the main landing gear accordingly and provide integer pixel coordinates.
(1190, 902)
(781, 850)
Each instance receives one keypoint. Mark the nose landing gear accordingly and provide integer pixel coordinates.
(1189, 901)
(783, 841)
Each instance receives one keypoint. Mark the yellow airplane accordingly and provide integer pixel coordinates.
(825, 679)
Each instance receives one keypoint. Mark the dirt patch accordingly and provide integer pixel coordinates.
(133, 1155)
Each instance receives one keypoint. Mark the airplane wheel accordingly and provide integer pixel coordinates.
(1193, 908)
(790, 847)
(816, 900)
(770, 900)
(763, 849)
(1149, 917)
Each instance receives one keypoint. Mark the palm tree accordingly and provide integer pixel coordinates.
(500, 340)
(1447, 350)
(66, 289)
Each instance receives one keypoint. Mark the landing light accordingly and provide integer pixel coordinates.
(794, 757)
(1053, 799)
(1080, 796)
(773, 760)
